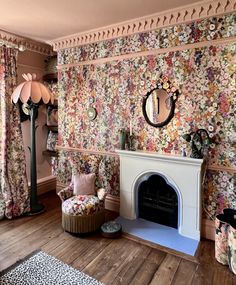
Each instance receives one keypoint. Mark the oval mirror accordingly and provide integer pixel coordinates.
(159, 106)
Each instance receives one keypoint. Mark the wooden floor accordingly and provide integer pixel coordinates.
(118, 261)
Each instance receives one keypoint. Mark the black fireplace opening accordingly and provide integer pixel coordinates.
(158, 201)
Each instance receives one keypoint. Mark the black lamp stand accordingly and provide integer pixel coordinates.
(35, 207)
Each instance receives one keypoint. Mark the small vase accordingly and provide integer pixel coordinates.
(122, 138)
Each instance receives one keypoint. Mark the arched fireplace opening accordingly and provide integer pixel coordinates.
(158, 201)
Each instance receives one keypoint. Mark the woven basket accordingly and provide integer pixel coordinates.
(83, 224)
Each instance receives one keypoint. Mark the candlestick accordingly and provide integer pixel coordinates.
(130, 128)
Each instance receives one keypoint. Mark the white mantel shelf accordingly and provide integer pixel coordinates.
(184, 174)
(160, 157)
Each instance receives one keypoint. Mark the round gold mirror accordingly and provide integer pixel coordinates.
(159, 104)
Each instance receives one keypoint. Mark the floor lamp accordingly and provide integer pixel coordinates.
(32, 93)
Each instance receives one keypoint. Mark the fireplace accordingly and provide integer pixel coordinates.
(157, 201)
(178, 197)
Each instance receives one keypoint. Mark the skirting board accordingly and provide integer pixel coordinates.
(112, 203)
(46, 184)
(208, 227)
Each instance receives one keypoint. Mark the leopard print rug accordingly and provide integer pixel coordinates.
(43, 269)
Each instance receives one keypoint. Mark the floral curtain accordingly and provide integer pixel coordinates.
(13, 181)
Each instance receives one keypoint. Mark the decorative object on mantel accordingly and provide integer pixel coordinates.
(111, 229)
(131, 142)
(159, 103)
(33, 93)
(130, 138)
(122, 138)
(199, 141)
(225, 238)
(126, 140)
(184, 154)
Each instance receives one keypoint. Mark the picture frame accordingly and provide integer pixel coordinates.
(91, 113)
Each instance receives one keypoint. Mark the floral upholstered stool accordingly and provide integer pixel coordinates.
(111, 229)
(82, 214)
(225, 238)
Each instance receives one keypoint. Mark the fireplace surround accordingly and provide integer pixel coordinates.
(183, 174)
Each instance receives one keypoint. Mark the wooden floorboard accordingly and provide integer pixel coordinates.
(166, 271)
(185, 273)
(123, 261)
(149, 267)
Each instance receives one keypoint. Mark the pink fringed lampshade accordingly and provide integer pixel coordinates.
(33, 90)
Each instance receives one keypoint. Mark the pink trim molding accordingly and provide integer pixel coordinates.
(176, 16)
(213, 167)
(149, 52)
(89, 151)
(16, 41)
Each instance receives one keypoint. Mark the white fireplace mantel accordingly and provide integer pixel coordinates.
(183, 173)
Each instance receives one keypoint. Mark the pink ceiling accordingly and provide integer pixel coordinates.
(46, 20)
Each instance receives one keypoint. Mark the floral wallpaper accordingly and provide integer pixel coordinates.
(219, 192)
(205, 78)
(203, 30)
(105, 167)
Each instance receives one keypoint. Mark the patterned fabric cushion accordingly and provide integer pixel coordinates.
(82, 205)
(66, 192)
(101, 193)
